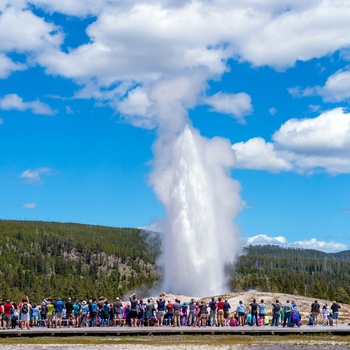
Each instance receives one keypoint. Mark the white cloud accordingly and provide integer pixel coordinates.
(29, 206)
(302, 145)
(145, 40)
(337, 87)
(22, 31)
(265, 239)
(35, 175)
(329, 247)
(15, 102)
(136, 108)
(313, 243)
(7, 66)
(260, 155)
(238, 105)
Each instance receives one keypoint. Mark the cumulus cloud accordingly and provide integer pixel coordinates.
(29, 206)
(22, 31)
(136, 108)
(238, 105)
(7, 66)
(335, 89)
(302, 145)
(258, 154)
(33, 176)
(313, 243)
(15, 102)
(265, 239)
(145, 41)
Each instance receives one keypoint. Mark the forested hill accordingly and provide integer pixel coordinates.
(53, 259)
(295, 271)
(43, 259)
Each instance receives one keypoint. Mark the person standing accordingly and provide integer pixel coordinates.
(203, 314)
(288, 310)
(240, 310)
(69, 311)
(192, 313)
(335, 311)
(59, 306)
(118, 311)
(262, 311)
(160, 311)
(170, 313)
(212, 315)
(177, 313)
(7, 314)
(315, 311)
(227, 308)
(24, 313)
(276, 308)
(254, 311)
(220, 312)
(133, 309)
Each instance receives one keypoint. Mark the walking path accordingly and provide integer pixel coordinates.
(146, 331)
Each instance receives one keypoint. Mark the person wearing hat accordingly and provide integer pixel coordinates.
(118, 312)
(84, 313)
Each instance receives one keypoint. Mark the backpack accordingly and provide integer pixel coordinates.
(94, 307)
(43, 308)
(212, 305)
(24, 308)
(276, 308)
(76, 308)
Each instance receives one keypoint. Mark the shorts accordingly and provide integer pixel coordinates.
(160, 314)
(133, 313)
(241, 314)
(335, 315)
(118, 316)
(24, 317)
(34, 318)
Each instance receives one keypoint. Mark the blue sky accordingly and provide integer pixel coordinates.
(82, 86)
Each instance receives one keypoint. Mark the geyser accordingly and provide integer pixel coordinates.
(201, 201)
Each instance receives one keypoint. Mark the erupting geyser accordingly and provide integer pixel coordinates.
(191, 178)
(201, 201)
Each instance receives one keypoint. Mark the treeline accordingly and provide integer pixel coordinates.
(43, 259)
(295, 271)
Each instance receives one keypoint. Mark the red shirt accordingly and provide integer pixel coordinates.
(220, 305)
(7, 309)
(169, 307)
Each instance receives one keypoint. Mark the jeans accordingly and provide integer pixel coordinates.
(287, 317)
(170, 317)
(275, 320)
(192, 318)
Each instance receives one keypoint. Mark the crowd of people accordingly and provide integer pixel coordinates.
(159, 312)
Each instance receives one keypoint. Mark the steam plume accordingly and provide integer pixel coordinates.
(191, 178)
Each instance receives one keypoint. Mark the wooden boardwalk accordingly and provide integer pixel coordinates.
(343, 330)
